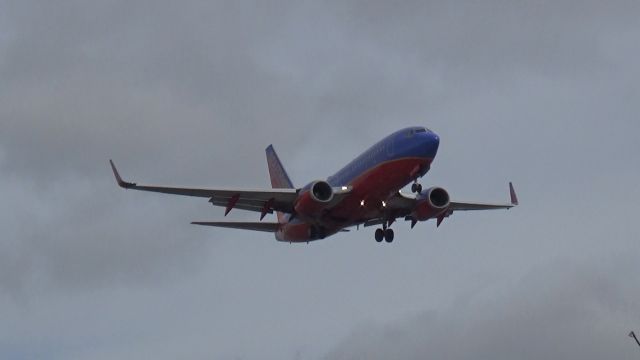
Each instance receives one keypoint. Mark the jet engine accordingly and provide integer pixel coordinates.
(431, 203)
(316, 197)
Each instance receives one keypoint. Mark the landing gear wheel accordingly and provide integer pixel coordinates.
(388, 235)
(379, 235)
(416, 188)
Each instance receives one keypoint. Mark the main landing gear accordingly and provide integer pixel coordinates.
(416, 188)
(384, 234)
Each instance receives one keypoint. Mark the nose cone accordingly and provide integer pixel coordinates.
(430, 143)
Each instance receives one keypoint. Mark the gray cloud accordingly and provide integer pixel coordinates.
(543, 94)
(562, 310)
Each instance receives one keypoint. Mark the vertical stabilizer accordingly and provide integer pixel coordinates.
(279, 177)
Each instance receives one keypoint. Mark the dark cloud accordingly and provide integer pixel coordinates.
(543, 94)
(561, 310)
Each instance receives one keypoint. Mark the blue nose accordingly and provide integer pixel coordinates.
(430, 143)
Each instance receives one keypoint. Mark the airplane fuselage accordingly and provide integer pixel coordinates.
(373, 177)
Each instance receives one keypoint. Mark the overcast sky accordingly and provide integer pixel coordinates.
(545, 94)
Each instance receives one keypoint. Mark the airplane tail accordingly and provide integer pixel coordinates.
(279, 177)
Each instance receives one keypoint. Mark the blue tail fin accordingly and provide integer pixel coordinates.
(279, 177)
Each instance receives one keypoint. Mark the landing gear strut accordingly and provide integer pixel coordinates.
(384, 234)
(416, 188)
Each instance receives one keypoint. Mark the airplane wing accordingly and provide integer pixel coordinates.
(265, 201)
(402, 205)
(464, 206)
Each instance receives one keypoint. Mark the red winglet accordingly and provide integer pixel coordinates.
(121, 182)
(232, 202)
(514, 197)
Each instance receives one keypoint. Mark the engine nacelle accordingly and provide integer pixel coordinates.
(315, 198)
(431, 203)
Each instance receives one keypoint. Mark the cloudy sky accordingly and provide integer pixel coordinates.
(545, 94)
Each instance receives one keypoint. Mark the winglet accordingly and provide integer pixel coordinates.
(121, 183)
(514, 197)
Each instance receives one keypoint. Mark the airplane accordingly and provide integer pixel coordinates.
(364, 192)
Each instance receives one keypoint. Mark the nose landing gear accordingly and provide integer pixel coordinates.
(416, 188)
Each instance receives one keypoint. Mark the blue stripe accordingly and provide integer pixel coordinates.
(406, 143)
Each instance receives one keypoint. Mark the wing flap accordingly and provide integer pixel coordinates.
(245, 202)
(243, 206)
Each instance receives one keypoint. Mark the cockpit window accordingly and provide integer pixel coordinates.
(414, 131)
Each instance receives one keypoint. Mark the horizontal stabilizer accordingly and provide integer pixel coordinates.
(255, 226)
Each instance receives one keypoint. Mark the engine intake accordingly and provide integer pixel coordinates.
(438, 197)
(313, 200)
(321, 191)
(432, 202)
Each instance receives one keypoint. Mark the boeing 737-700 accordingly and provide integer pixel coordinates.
(365, 192)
